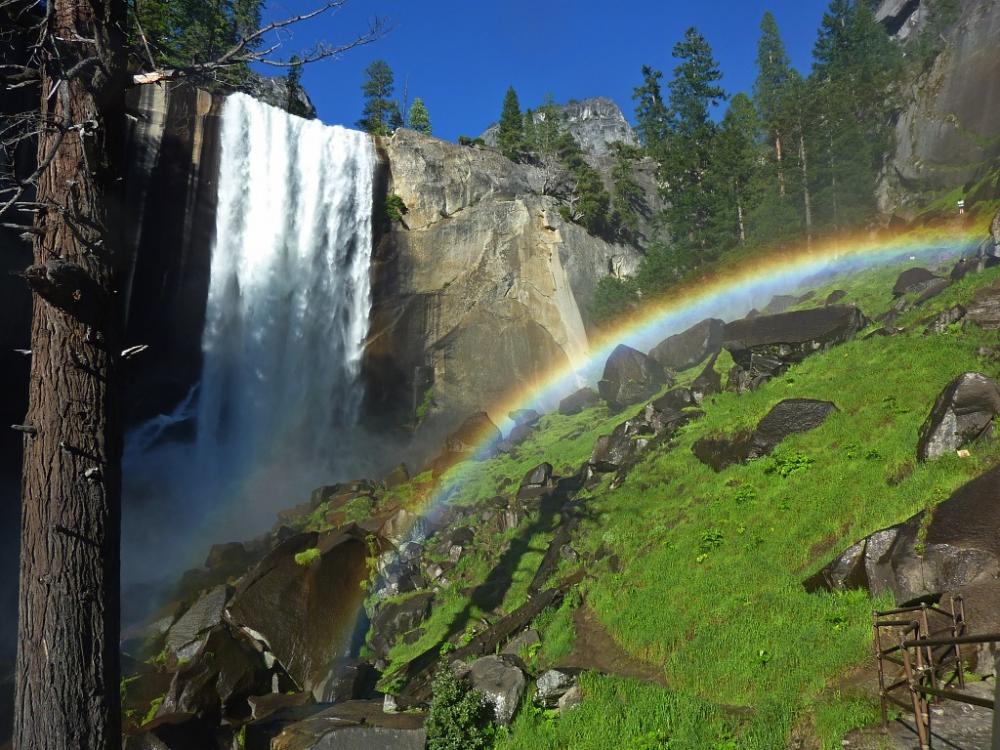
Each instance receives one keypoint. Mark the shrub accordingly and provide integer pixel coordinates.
(395, 209)
(307, 557)
(459, 718)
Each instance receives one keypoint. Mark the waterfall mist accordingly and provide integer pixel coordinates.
(275, 411)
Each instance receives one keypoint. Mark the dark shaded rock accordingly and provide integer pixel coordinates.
(226, 555)
(355, 725)
(177, 732)
(517, 435)
(502, 682)
(754, 313)
(708, 382)
(984, 308)
(958, 546)
(780, 303)
(525, 417)
(834, 297)
(262, 706)
(399, 475)
(963, 412)
(912, 280)
(477, 430)
(942, 320)
(522, 642)
(787, 418)
(629, 377)
(186, 635)
(554, 684)
(720, 452)
(536, 482)
(615, 451)
(578, 401)
(354, 680)
(691, 347)
(302, 598)
(396, 618)
(932, 289)
(216, 683)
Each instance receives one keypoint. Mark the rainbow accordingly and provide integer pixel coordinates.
(728, 291)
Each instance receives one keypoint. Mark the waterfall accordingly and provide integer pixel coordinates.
(289, 295)
(285, 323)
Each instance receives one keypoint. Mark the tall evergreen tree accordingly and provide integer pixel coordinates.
(771, 90)
(627, 197)
(381, 114)
(420, 119)
(590, 203)
(510, 134)
(735, 158)
(652, 117)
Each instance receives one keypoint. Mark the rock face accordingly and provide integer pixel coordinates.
(765, 346)
(962, 413)
(691, 347)
(578, 401)
(501, 682)
(958, 546)
(947, 129)
(630, 377)
(480, 289)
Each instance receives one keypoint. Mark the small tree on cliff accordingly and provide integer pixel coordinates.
(420, 119)
(510, 133)
(71, 209)
(381, 114)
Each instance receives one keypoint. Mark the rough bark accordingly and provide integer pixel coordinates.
(67, 693)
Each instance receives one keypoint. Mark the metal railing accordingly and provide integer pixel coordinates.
(927, 648)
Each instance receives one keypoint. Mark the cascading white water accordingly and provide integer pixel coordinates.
(289, 296)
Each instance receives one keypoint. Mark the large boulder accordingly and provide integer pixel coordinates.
(501, 681)
(691, 347)
(476, 431)
(177, 732)
(353, 725)
(303, 599)
(767, 345)
(630, 377)
(958, 545)
(963, 412)
(708, 382)
(787, 418)
(553, 684)
(578, 401)
(984, 308)
(537, 482)
(913, 280)
(187, 634)
(395, 619)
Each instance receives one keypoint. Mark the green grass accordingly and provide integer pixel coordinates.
(710, 585)
(307, 557)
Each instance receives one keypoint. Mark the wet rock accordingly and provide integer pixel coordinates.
(834, 297)
(302, 599)
(502, 682)
(932, 289)
(522, 642)
(517, 435)
(231, 554)
(553, 684)
(720, 452)
(177, 732)
(941, 321)
(354, 725)
(578, 401)
(708, 382)
(691, 347)
(615, 451)
(629, 377)
(399, 475)
(984, 308)
(912, 280)
(262, 706)
(536, 482)
(958, 546)
(399, 526)
(667, 413)
(787, 418)
(353, 680)
(962, 413)
(780, 303)
(477, 430)
(526, 417)
(766, 346)
(396, 618)
(186, 635)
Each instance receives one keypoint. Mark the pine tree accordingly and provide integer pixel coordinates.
(381, 113)
(420, 119)
(510, 134)
(735, 158)
(548, 120)
(651, 113)
(590, 203)
(627, 198)
(771, 89)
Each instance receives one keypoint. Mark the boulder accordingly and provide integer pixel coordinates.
(691, 347)
(177, 732)
(502, 682)
(394, 619)
(912, 280)
(303, 599)
(476, 431)
(766, 346)
(940, 322)
(354, 680)
(522, 642)
(630, 377)
(354, 725)
(958, 546)
(526, 417)
(984, 308)
(578, 401)
(787, 418)
(834, 297)
(553, 684)
(515, 437)
(720, 452)
(399, 526)
(708, 382)
(228, 555)
(186, 635)
(780, 303)
(932, 289)
(536, 482)
(570, 699)
(399, 475)
(963, 412)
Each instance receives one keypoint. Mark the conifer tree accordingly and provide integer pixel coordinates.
(548, 120)
(651, 113)
(735, 159)
(420, 119)
(590, 203)
(381, 114)
(510, 134)
(627, 198)
(771, 90)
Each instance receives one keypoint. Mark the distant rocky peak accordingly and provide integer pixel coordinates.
(595, 123)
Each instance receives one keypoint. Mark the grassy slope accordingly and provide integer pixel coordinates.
(712, 563)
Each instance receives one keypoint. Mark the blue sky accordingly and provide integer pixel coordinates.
(460, 56)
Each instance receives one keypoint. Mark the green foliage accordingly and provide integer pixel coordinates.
(154, 706)
(590, 203)
(395, 209)
(510, 133)
(420, 119)
(381, 114)
(294, 82)
(613, 298)
(628, 201)
(651, 113)
(465, 140)
(940, 16)
(459, 718)
(425, 405)
(307, 557)
(786, 464)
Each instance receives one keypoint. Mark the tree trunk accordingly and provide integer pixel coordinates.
(781, 168)
(67, 692)
(739, 218)
(806, 195)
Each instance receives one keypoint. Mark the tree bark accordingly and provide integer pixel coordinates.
(806, 195)
(781, 167)
(67, 692)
